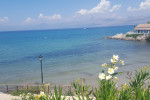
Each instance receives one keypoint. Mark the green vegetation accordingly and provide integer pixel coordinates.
(148, 38)
(137, 89)
(148, 22)
(134, 35)
(135, 26)
(18, 93)
(31, 89)
(56, 96)
(81, 91)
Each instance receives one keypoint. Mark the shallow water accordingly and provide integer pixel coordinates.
(67, 54)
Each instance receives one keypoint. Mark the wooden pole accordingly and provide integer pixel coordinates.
(27, 87)
(38, 88)
(48, 90)
(59, 88)
(7, 88)
(17, 88)
(70, 90)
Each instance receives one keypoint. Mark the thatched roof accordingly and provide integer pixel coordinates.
(142, 27)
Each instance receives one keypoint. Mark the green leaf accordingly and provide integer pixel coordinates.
(56, 92)
(114, 74)
(60, 92)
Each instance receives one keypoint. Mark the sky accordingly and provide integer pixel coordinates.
(58, 14)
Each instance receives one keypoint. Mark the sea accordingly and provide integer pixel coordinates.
(68, 54)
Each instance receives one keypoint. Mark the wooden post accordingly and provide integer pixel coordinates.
(27, 87)
(70, 90)
(24, 87)
(7, 88)
(17, 88)
(59, 88)
(48, 90)
(38, 89)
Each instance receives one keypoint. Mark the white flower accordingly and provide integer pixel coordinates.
(115, 67)
(41, 93)
(110, 70)
(36, 96)
(101, 76)
(108, 77)
(116, 57)
(104, 65)
(29, 93)
(116, 78)
(113, 61)
(122, 62)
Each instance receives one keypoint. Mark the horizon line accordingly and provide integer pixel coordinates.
(65, 28)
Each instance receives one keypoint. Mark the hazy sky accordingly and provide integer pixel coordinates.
(51, 14)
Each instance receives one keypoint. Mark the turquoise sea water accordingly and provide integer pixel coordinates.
(67, 54)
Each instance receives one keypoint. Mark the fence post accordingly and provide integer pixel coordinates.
(17, 88)
(38, 89)
(7, 88)
(59, 88)
(27, 87)
(24, 87)
(48, 90)
(70, 90)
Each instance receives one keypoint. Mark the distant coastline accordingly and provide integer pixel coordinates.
(141, 32)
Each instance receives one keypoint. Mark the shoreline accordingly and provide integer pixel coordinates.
(128, 37)
(4, 96)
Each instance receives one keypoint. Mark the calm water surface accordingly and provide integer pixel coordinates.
(67, 54)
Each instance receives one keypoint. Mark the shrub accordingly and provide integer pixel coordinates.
(134, 35)
(148, 37)
(81, 91)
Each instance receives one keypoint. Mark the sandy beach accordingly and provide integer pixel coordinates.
(4, 96)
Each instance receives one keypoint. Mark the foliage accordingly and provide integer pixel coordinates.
(68, 92)
(148, 37)
(31, 89)
(125, 93)
(18, 93)
(81, 91)
(148, 22)
(57, 95)
(134, 35)
(106, 90)
(140, 77)
(137, 84)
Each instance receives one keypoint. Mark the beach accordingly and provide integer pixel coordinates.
(4, 96)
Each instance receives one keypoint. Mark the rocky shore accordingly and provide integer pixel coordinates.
(128, 36)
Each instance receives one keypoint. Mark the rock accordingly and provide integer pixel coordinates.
(141, 38)
(123, 37)
(129, 39)
(118, 36)
(130, 32)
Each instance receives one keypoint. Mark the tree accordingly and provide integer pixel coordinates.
(148, 22)
(135, 26)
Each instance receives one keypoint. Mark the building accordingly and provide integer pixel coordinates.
(142, 28)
